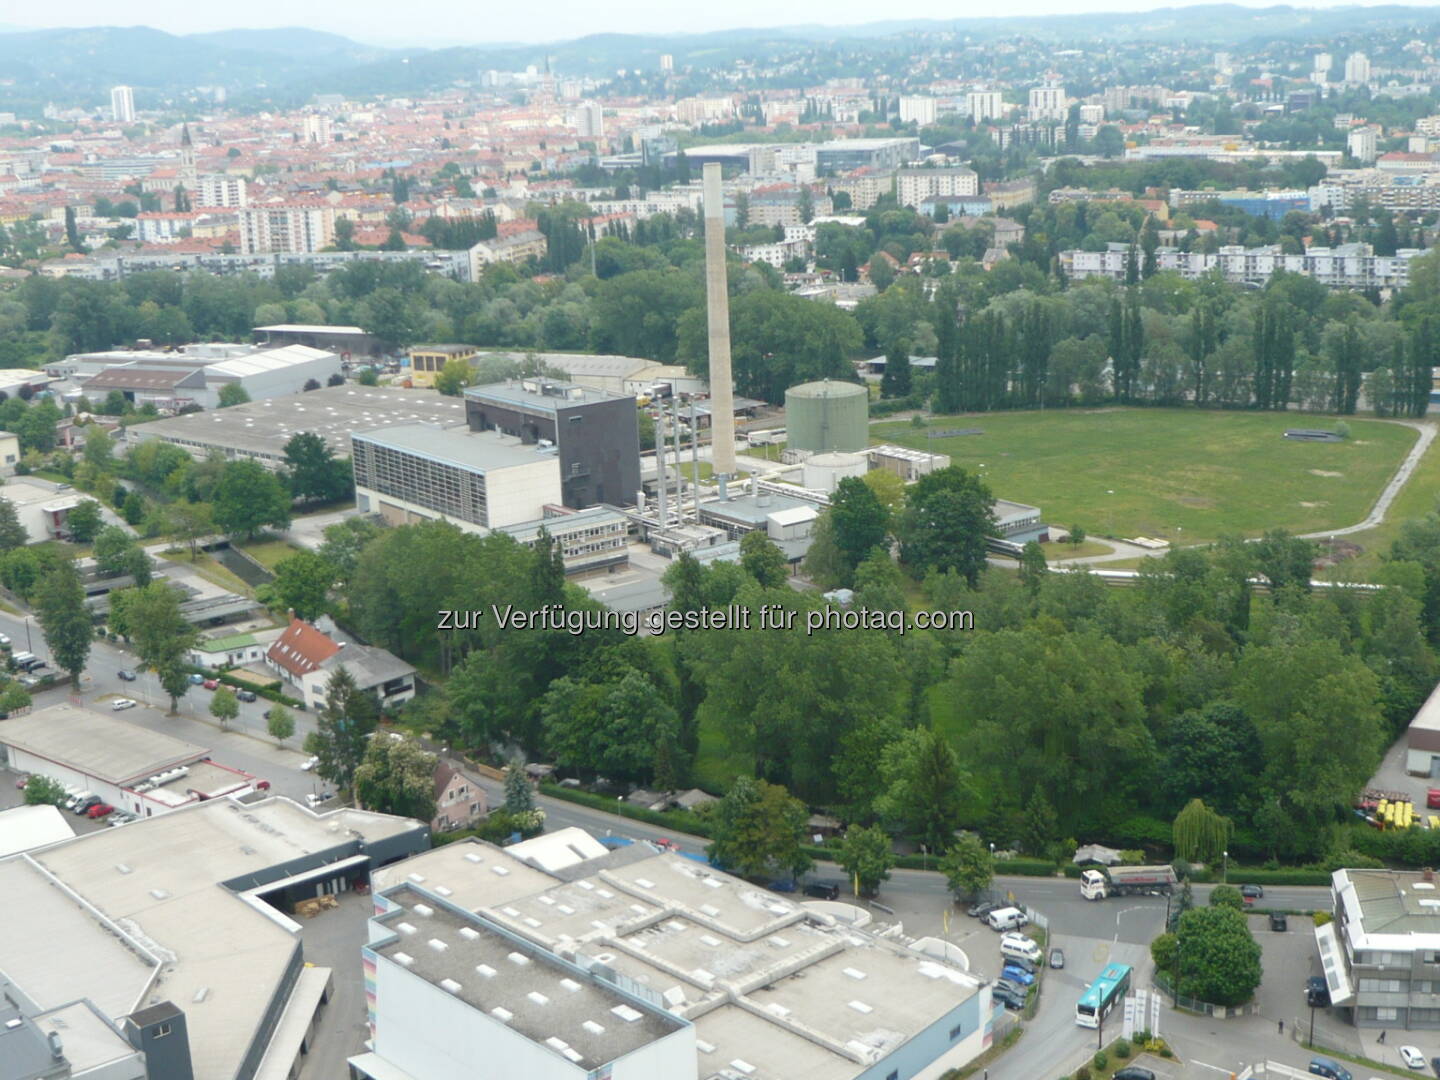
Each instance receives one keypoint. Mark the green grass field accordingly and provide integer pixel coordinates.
(1184, 475)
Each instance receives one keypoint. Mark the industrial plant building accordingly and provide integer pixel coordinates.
(827, 415)
(557, 958)
(595, 435)
(422, 472)
(165, 950)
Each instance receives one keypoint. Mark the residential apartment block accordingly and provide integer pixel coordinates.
(287, 226)
(914, 186)
(1349, 266)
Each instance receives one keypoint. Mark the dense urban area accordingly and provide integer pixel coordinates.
(906, 551)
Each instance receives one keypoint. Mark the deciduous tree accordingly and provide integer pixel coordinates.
(867, 856)
(757, 829)
(397, 776)
(64, 619)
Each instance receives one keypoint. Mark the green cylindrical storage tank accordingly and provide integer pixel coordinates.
(828, 415)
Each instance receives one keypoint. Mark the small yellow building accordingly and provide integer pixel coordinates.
(426, 361)
(9, 453)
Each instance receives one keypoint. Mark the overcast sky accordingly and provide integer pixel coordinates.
(429, 21)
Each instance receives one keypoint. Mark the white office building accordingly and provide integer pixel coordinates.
(917, 110)
(122, 105)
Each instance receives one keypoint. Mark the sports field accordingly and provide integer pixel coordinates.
(1184, 475)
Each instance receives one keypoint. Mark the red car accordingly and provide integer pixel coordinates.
(99, 810)
(1432, 799)
(211, 684)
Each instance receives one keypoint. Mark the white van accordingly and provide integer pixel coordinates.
(1021, 946)
(1006, 918)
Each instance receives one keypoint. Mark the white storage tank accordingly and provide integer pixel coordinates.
(824, 471)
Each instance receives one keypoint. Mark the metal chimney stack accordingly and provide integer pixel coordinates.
(717, 297)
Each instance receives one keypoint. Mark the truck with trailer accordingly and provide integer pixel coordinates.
(1098, 882)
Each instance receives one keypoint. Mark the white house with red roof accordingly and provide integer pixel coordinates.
(307, 654)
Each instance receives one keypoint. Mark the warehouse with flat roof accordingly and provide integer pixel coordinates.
(260, 429)
(176, 928)
(767, 987)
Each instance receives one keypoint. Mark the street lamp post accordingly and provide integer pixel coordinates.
(1225, 870)
(1312, 1023)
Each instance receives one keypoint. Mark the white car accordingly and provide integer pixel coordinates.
(122, 703)
(1412, 1057)
(316, 799)
(309, 763)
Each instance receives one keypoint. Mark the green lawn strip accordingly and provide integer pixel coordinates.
(1184, 475)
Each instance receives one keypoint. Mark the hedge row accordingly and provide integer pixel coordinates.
(270, 692)
(678, 820)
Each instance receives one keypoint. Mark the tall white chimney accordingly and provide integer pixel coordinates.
(717, 296)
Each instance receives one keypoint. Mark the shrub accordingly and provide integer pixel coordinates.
(1082, 1073)
(1322, 917)
(1165, 1052)
(1122, 1049)
(1101, 1059)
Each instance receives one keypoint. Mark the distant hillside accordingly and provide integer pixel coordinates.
(295, 41)
(73, 65)
(288, 65)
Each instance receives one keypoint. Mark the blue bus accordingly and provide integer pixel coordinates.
(1102, 995)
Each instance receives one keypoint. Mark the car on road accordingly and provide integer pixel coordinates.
(99, 810)
(980, 909)
(1278, 922)
(245, 695)
(1432, 798)
(20, 784)
(1251, 893)
(1435, 1064)
(119, 817)
(312, 800)
(125, 675)
(664, 843)
(1324, 1066)
(1010, 987)
(4, 641)
(1412, 1057)
(211, 684)
(1317, 994)
(1016, 975)
(121, 703)
(822, 890)
(196, 678)
(1057, 958)
(82, 807)
(309, 763)
(1134, 1072)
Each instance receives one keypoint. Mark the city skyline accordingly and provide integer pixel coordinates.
(372, 24)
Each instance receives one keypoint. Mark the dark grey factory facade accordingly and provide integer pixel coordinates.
(596, 435)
